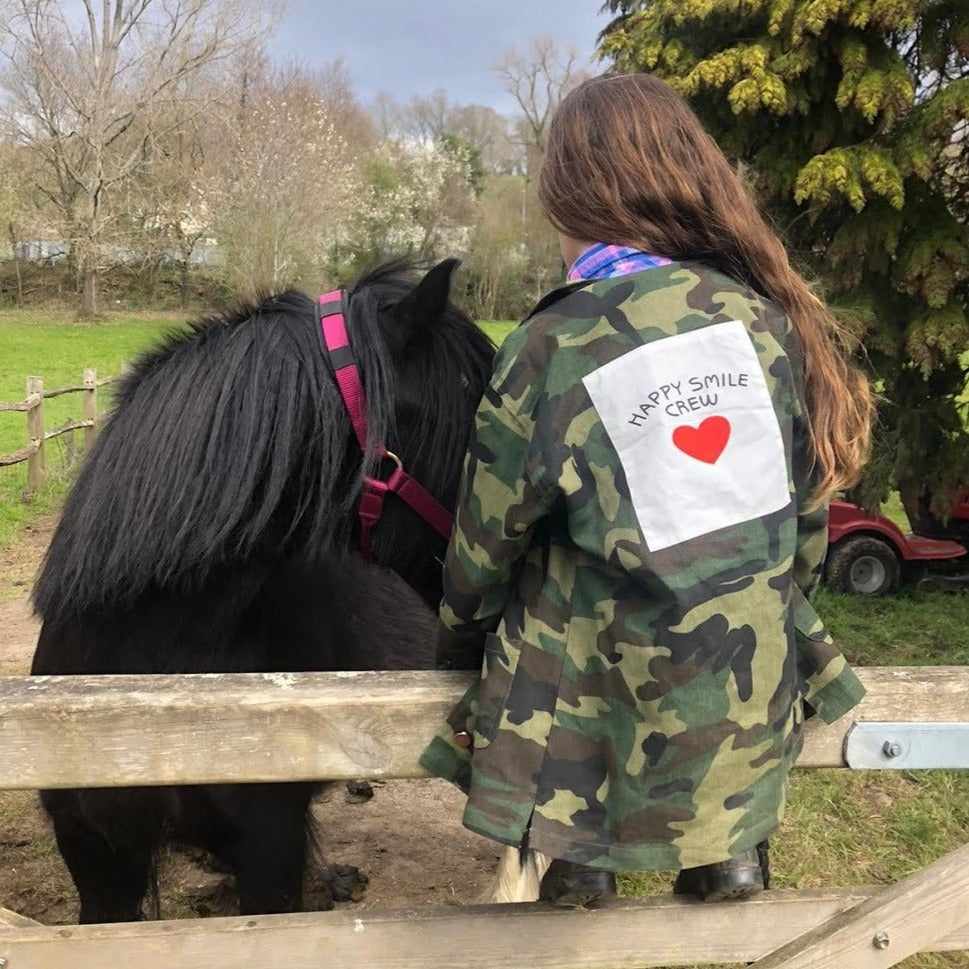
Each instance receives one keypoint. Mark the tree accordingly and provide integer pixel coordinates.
(497, 260)
(538, 77)
(84, 81)
(16, 203)
(424, 118)
(168, 202)
(417, 201)
(335, 86)
(276, 216)
(288, 187)
(428, 119)
(850, 118)
(489, 135)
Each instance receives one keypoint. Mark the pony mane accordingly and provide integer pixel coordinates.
(228, 442)
(454, 344)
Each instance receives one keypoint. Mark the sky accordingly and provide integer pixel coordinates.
(410, 47)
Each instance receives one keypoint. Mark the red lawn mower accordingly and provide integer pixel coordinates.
(870, 555)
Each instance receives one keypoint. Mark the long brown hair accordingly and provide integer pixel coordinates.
(628, 162)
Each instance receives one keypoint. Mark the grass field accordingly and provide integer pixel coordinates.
(37, 343)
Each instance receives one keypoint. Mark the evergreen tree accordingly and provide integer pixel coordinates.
(850, 118)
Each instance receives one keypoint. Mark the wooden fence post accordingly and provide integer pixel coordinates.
(35, 435)
(70, 443)
(90, 403)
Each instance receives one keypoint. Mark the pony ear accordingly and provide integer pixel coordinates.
(427, 302)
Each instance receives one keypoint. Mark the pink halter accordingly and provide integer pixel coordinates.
(337, 344)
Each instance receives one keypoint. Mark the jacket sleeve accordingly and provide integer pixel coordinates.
(499, 504)
(829, 684)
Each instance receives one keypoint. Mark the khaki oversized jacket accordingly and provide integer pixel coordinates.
(631, 568)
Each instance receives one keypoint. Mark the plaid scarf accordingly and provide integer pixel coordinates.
(603, 261)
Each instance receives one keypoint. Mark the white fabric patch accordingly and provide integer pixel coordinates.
(694, 426)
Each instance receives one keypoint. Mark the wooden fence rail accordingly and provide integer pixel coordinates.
(106, 731)
(129, 730)
(38, 435)
(622, 935)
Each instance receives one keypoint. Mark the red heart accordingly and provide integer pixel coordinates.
(706, 442)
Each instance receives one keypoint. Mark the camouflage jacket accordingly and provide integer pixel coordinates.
(631, 567)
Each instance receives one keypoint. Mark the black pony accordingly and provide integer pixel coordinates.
(212, 529)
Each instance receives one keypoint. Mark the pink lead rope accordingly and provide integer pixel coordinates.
(336, 340)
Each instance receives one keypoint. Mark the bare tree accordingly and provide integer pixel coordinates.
(84, 82)
(538, 77)
(384, 111)
(16, 203)
(168, 201)
(425, 118)
(490, 134)
(335, 86)
(497, 261)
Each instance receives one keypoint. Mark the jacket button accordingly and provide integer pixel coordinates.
(463, 739)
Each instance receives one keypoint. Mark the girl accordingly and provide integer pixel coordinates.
(643, 520)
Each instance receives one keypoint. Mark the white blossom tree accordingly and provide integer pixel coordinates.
(418, 201)
(289, 188)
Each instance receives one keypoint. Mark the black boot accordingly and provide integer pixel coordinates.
(575, 886)
(736, 878)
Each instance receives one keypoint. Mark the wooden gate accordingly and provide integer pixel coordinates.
(127, 730)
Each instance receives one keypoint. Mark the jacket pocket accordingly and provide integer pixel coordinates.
(501, 658)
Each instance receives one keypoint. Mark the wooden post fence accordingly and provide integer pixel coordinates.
(132, 730)
(36, 468)
(38, 435)
(90, 402)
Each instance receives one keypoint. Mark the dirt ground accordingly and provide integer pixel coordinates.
(407, 839)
